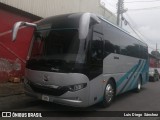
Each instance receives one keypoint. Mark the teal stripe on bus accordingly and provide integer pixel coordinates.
(132, 76)
(134, 83)
(120, 81)
(146, 70)
(127, 87)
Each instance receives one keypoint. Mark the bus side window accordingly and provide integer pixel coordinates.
(38, 46)
(96, 47)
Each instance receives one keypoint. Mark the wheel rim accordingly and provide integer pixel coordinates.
(139, 85)
(109, 92)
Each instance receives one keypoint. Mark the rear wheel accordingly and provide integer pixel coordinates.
(109, 94)
(139, 85)
(155, 78)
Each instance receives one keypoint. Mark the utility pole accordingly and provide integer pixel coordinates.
(156, 47)
(157, 56)
(120, 10)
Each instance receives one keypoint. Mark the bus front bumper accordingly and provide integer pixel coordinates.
(78, 98)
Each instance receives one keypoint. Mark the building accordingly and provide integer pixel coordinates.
(13, 55)
(154, 62)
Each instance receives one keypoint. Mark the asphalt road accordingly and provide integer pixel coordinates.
(147, 100)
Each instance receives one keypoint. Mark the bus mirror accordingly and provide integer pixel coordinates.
(95, 19)
(85, 21)
(19, 24)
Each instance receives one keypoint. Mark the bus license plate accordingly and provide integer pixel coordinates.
(45, 98)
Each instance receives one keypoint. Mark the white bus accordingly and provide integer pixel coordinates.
(81, 59)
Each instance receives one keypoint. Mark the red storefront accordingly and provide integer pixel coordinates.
(13, 54)
(154, 62)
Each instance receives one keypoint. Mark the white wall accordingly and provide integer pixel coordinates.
(45, 8)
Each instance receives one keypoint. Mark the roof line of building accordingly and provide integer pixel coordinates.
(18, 11)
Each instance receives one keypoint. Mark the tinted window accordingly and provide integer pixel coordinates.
(143, 52)
(117, 41)
(96, 56)
(96, 47)
(98, 28)
(61, 44)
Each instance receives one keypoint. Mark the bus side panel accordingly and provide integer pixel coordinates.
(122, 68)
(125, 71)
(96, 91)
(145, 73)
(142, 74)
(134, 80)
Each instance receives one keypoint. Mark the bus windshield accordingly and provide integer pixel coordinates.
(60, 44)
(55, 47)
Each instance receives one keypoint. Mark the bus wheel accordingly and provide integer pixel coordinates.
(139, 85)
(109, 94)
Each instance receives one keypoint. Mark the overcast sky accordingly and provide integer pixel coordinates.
(146, 21)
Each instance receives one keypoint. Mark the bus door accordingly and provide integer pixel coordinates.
(96, 55)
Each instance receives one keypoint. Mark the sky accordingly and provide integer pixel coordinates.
(143, 16)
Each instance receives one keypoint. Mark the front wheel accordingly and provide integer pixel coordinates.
(109, 94)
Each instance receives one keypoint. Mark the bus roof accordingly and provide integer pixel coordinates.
(73, 19)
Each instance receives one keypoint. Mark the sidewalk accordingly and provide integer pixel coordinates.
(9, 89)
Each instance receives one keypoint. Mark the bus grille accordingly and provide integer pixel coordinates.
(47, 90)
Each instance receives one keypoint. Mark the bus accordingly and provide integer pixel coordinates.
(81, 59)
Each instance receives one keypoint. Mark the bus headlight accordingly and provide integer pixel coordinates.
(77, 87)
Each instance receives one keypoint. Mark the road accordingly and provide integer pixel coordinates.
(147, 100)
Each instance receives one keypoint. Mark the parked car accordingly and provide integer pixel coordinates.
(153, 74)
(158, 71)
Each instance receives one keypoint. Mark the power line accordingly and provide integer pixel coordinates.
(153, 48)
(137, 29)
(115, 1)
(140, 37)
(135, 32)
(139, 32)
(114, 6)
(150, 8)
(143, 1)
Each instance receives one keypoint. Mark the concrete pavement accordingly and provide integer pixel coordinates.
(147, 100)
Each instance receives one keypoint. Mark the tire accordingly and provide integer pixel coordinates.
(139, 85)
(157, 79)
(109, 94)
(154, 79)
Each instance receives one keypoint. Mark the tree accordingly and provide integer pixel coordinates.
(156, 54)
